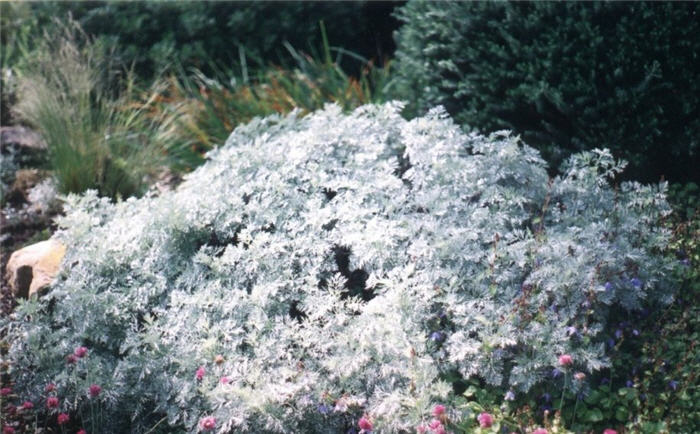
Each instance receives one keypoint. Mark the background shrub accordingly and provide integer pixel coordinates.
(339, 265)
(155, 35)
(567, 76)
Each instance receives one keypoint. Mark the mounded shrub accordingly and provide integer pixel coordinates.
(567, 76)
(335, 266)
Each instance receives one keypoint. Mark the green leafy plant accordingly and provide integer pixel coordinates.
(208, 109)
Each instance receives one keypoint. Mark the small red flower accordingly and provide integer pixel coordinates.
(565, 360)
(63, 418)
(52, 402)
(8, 430)
(95, 390)
(82, 431)
(207, 423)
(439, 410)
(609, 431)
(28, 405)
(485, 420)
(80, 352)
(5, 391)
(200, 373)
(71, 359)
(224, 380)
(50, 388)
(364, 424)
(434, 424)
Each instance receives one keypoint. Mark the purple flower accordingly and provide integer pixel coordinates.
(636, 282)
(323, 409)
(629, 383)
(555, 373)
(635, 332)
(605, 381)
(547, 397)
(611, 342)
(618, 334)
(510, 396)
(437, 336)
(673, 384)
(609, 286)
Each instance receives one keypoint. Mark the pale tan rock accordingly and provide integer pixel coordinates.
(34, 267)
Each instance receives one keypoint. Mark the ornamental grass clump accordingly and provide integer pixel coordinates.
(310, 262)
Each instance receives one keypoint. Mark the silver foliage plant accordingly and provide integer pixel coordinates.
(339, 265)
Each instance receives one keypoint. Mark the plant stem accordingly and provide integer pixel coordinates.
(561, 402)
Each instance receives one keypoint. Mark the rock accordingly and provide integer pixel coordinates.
(34, 267)
(21, 137)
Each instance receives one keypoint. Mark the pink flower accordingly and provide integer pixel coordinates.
(421, 429)
(565, 360)
(82, 431)
(439, 410)
(80, 352)
(95, 390)
(540, 431)
(8, 430)
(580, 376)
(609, 431)
(50, 388)
(364, 424)
(28, 405)
(434, 424)
(207, 423)
(71, 359)
(5, 391)
(200, 373)
(52, 402)
(224, 380)
(63, 418)
(485, 420)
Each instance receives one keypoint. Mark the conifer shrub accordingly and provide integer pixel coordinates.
(337, 271)
(568, 76)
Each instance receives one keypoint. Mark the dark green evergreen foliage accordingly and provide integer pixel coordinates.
(154, 34)
(565, 75)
